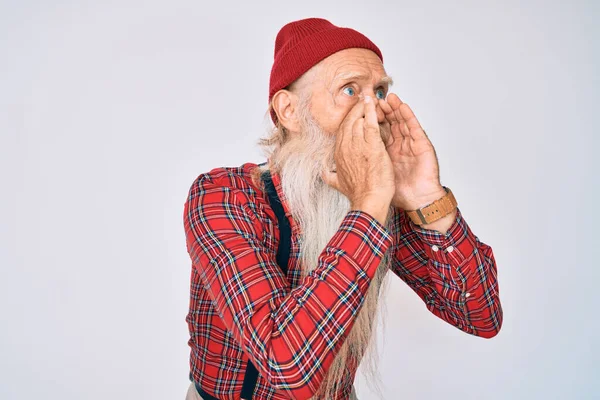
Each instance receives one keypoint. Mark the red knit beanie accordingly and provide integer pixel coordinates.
(302, 44)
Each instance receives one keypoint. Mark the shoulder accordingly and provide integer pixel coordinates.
(242, 181)
(233, 191)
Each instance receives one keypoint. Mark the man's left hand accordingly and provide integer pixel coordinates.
(416, 167)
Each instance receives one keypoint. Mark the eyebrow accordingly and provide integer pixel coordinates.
(349, 76)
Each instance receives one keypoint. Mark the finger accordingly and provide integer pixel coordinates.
(394, 118)
(380, 113)
(413, 125)
(395, 103)
(386, 109)
(345, 131)
(358, 131)
(371, 124)
(386, 133)
(358, 111)
(392, 121)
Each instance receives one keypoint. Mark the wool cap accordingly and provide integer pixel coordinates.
(302, 44)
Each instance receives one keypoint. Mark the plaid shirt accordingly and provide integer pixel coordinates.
(242, 305)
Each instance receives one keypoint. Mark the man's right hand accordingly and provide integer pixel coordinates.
(364, 171)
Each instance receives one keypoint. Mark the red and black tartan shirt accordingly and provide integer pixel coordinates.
(241, 304)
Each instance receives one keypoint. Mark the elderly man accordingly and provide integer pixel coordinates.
(289, 256)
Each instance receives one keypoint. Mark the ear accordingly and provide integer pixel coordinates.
(284, 103)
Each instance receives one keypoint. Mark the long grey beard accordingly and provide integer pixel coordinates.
(319, 210)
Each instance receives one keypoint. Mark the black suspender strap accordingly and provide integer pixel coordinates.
(283, 254)
(285, 230)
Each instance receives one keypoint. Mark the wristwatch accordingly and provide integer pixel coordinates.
(434, 211)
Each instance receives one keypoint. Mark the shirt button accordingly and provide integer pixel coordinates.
(449, 249)
(434, 248)
(467, 294)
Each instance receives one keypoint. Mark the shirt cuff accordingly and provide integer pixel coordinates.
(453, 247)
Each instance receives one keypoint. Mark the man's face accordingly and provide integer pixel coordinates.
(341, 80)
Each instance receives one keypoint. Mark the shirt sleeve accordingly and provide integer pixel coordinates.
(454, 273)
(290, 335)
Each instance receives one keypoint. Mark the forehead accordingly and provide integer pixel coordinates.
(359, 64)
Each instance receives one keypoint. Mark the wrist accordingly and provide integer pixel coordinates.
(426, 200)
(434, 213)
(376, 210)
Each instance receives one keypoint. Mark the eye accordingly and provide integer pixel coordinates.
(380, 93)
(349, 91)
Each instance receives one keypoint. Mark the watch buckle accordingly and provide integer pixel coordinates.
(421, 216)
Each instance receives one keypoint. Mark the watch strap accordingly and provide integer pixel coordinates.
(434, 211)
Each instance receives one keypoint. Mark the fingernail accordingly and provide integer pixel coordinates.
(367, 99)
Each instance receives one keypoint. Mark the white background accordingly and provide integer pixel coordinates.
(109, 110)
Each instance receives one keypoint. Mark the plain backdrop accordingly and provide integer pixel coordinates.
(109, 110)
